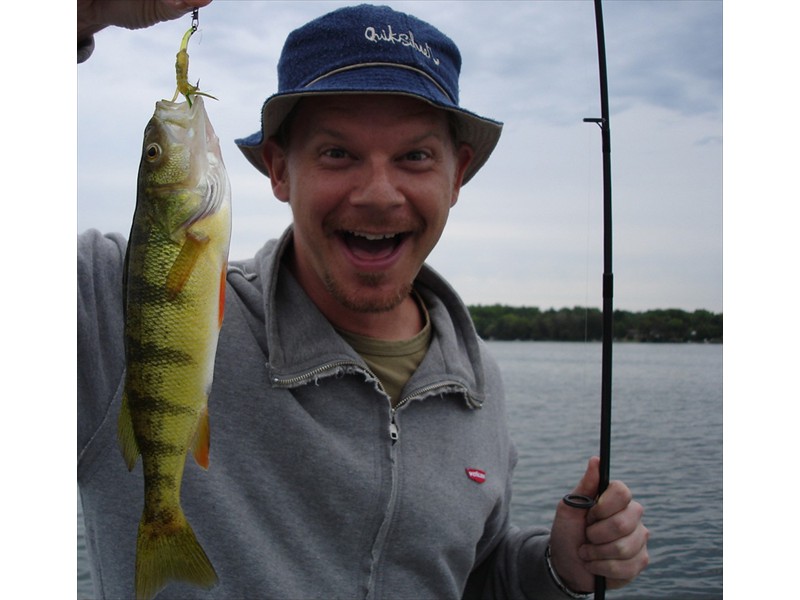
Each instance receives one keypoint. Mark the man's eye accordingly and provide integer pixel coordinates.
(335, 153)
(417, 155)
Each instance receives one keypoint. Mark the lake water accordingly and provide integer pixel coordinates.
(666, 446)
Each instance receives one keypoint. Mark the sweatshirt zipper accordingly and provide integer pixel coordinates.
(394, 430)
(379, 545)
(316, 372)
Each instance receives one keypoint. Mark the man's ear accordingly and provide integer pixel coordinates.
(464, 156)
(275, 159)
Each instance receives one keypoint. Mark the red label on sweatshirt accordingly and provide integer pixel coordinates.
(476, 475)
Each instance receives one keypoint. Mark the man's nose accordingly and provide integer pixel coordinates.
(377, 187)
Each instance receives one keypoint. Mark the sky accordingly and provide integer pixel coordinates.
(527, 230)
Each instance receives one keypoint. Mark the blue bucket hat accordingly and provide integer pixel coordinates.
(371, 49)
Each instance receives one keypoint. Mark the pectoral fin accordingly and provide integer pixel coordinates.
(184, 264)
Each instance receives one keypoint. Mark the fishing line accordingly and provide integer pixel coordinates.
(196, 25)
(591, 165)
(589, 179)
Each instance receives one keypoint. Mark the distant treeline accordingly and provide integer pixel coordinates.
(499, 322)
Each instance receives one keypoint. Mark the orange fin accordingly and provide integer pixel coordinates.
(202, 439)
(184, 263)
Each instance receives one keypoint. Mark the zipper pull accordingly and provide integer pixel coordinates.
(394, 432)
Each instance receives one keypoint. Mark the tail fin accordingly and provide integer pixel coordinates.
(172, 554)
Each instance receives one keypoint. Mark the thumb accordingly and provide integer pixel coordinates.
(584, 494)
(590, 481)
(573, 508)
(568, 533)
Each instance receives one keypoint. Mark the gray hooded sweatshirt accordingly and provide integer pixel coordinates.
(316, 487)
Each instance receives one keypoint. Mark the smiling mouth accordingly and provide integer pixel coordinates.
(372, 246)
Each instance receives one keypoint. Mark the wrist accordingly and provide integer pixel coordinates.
(557, 580)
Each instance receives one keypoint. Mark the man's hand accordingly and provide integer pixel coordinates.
(609, 539)
(94, 15)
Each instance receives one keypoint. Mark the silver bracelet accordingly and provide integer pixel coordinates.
(558, 581)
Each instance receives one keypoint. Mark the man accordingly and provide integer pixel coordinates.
(358, 423)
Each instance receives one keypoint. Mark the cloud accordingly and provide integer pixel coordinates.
(527, 229)
(666, 53)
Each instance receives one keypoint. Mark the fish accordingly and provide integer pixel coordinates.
(174, 295)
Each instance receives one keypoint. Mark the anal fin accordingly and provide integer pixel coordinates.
(125, 436)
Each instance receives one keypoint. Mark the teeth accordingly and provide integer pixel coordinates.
(374, 236)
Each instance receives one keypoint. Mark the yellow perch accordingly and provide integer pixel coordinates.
(174, 298)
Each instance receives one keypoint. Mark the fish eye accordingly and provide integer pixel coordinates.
(152, 152)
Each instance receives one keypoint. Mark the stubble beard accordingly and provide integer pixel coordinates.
(367, 303)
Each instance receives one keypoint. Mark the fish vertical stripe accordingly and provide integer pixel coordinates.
(152, 353)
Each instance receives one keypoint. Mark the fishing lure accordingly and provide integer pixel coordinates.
(182, 67)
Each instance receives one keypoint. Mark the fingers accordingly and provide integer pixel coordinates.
(620, 561)
(616, 545)
(143, 14)
(94, 15)
(614, 524)
(166, 10)
(615, 500)
(608, 540)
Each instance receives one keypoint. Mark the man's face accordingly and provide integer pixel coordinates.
(370, 180)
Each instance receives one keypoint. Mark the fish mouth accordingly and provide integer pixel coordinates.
(373, 247)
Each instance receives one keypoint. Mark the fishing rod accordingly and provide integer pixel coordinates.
(608, 289)
(608, 276)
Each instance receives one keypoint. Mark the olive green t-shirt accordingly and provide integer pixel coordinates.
(393, 362)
